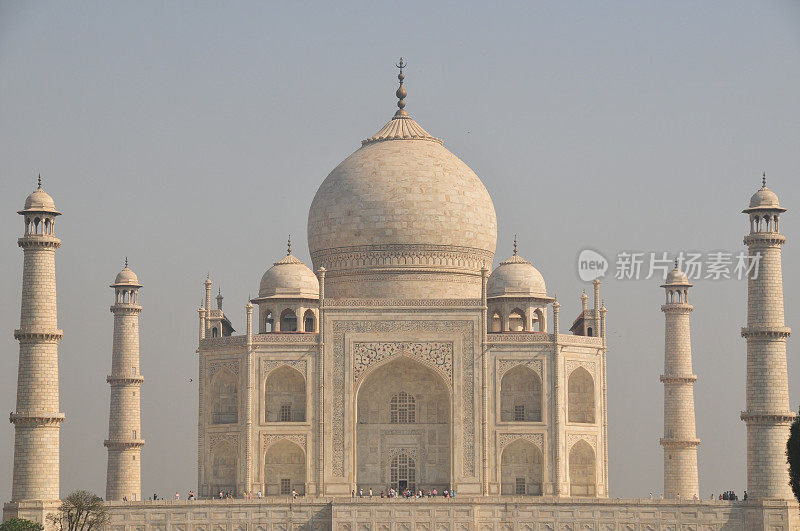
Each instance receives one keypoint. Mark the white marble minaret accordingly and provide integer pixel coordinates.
(124, 443)
(37, 419)
(680, 440)
(768, 414)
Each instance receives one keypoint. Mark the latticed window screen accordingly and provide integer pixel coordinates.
(519, 413)
(519, 487)
(403, 409)
(403, 468)
(286, 412)
(286, 486)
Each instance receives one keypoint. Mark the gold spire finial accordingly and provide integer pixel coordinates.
(126, 262)
(515, 245)
(763, 179)
(40, 181)
(289, 246)
(401, 92)
(676, 263)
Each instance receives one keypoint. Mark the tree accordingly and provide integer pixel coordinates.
(793, 456)
(20, 524)
(80, 511)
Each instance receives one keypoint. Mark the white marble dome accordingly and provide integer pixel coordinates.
(402, 217)
(677, 277)
(516, 277)
(39, 201)
(764, 198)
(126, 277)
(289, 279)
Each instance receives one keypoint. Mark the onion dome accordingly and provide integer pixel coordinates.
(764, 199)
(289, 279)
(126, 277)
(402, 217)
(40, 201)
(676, 277)
(516, 277)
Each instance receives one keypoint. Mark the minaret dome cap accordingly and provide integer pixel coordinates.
(764, 199)
(126, 277)
(40, 201)
(676, 277)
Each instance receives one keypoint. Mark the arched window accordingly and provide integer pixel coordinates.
(541, 325)
(269, 321)
(403, 409)
(521, 470)
(497, 322)
(516, 321)
(582, 470)
(223, 468)
(284, 469)
(520, 396)
(285, 396)
(224, 398)
(288, 321)
(214, 332)
(589, 332)
(308, 321)
(581, 396)
(403, 473)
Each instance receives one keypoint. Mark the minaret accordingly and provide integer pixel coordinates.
(767, 415)
(124, 443)
(680, 439)
(37, 419)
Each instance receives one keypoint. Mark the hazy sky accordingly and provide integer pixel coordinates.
(191, 137)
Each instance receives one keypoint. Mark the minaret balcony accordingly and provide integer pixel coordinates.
(43, 334)
(753, 417)
(678, 378)
(678, 443)
(124, 380)
(36, 419)
(123, 444)
(766, 332)
(39, 240)
(764, 238)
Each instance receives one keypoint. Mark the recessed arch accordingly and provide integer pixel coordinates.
(521, 469)
(224, 397)
(580, 389)
(516, 320)
(224, 464)
(284, 468)
(520, 395)
(285, 395)
(497, 322)
(427, 440)
(309, 321)
(582, 470)
(288, 320)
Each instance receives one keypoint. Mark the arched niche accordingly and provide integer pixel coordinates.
(284, 468)
(224, 398)
(521, 469)
(580, 402)
(582, 470)
(521, 395)
(285, 396)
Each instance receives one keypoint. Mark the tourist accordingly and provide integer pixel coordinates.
(353, 493)
(177, 495)
(370, 493)
(360, 493)
(259, 495)
(191, 495)
(650, 497)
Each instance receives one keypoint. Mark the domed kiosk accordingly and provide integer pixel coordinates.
(402, 217)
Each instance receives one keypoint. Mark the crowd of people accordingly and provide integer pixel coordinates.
(405, 493)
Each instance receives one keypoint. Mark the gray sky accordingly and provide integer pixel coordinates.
(191, 137)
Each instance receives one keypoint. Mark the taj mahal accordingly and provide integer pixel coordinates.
(403, 358)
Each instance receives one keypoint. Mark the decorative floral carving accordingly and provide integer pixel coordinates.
(269, 438)
(437, 353)
(421, 303)
(465, 328)
(267, 366)
(215, 438)
(504, 365)
(571, 365)
(306, 337)
(504, 439)
(572, 438)
(231, 365)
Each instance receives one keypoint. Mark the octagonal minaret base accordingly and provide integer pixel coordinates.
(680, 440)
(124, 443)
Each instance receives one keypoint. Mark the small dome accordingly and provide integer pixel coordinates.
(289, 279)
(126, 277)
(39, 201)
(764, 198)
(676, 277)
(516, 277)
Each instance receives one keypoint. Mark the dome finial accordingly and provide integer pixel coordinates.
(515, 245)
(126, 261)
(401, 92)
(40, 181)
(676, 263)
(289, 246)
(763, 179)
